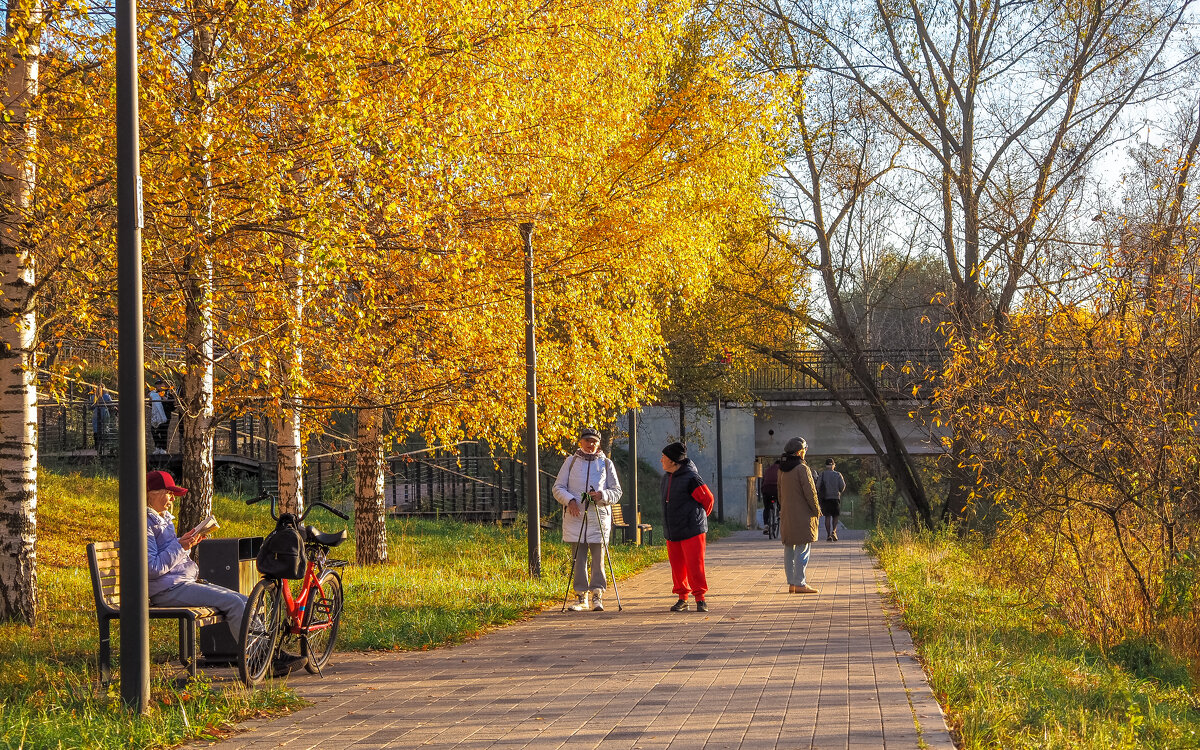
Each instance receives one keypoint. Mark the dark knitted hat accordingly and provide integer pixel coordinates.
(677, 452)
(589, 432)
(796, 445)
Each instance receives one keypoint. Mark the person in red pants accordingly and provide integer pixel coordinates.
(687, 501)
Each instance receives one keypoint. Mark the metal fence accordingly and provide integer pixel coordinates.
(67, 430)
(469, 481)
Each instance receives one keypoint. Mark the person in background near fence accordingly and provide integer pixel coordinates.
(587, 487)
(167, 390)
(830, 487)
(799, 515)
(102, 411)
(770, 494)
(162, 405)
(687, 501)
(158, 421)
(173, 574)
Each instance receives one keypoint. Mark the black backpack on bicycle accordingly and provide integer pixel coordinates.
(282, 554)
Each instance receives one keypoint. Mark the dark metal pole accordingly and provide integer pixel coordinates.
(633, 471)
(135, 602)
(532, 484)
(720, 471)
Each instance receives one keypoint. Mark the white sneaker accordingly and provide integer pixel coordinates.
(580, 604)
(597, 603)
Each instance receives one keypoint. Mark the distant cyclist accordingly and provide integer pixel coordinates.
(770, 495)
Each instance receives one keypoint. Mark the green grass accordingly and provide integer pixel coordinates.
(450, 581)
(1011, 676)
(446, 582)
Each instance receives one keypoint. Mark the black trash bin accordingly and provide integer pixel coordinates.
(228, 563)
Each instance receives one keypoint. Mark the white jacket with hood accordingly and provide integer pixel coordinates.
(577, 476)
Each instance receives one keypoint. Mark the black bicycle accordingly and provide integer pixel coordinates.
(282, 626)
(771, 520)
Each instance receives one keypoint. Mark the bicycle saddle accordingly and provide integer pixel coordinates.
(326, 540)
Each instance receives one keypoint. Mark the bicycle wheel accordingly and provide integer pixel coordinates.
(260, 631)
(321, 621)
(773, 526)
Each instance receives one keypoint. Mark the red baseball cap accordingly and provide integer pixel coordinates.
(161, 480)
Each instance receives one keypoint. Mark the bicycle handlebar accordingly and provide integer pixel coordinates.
(334, 511)
(315, 504)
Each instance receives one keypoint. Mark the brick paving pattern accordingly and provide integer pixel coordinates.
(762, 669)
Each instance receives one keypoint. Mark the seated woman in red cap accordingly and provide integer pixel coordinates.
(173, 573)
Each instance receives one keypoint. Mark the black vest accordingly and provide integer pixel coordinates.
(683, 516)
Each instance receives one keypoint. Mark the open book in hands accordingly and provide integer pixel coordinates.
(205, 527)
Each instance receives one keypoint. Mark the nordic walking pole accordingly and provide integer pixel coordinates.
(575, 554)
(608, 556)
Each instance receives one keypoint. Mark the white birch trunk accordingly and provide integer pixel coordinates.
(290, 457)
(18, 390)
(369, 534)
(197, 397)
(289, 461)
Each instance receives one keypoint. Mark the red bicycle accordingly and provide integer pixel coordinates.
(282, 626)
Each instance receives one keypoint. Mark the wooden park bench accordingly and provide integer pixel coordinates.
(629, 534)
(104, 562)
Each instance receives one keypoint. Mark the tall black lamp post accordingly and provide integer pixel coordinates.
(532, 482)
(135, 601)
(633, 474)
(720, 467)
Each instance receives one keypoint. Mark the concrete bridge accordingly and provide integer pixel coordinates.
(789, 399)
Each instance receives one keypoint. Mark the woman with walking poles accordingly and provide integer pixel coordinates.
(587, 487)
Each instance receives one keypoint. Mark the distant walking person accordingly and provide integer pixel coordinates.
(158, 419)
(687, 501)
(102, 411)
(587, 487)
(830, 486)
(162, 405)
(799, 514)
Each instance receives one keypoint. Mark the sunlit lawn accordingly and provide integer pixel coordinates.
(1011, 676)
(446, 582)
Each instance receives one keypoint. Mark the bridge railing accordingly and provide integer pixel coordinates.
(808, 374)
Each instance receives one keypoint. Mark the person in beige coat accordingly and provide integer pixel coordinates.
(798, 514)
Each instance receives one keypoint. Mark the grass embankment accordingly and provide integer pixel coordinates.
(1012, 676)
(448, 582)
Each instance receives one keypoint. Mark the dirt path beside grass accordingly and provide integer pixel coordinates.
(762, 669)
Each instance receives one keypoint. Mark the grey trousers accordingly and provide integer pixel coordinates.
(582, 583)
(197, 594)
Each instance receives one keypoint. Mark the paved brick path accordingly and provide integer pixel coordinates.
(762, 669)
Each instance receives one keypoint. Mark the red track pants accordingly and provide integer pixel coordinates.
(687, 567)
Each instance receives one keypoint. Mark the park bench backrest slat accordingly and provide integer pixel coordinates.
(105, 560)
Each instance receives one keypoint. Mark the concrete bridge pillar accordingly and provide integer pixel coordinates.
(659, 425)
